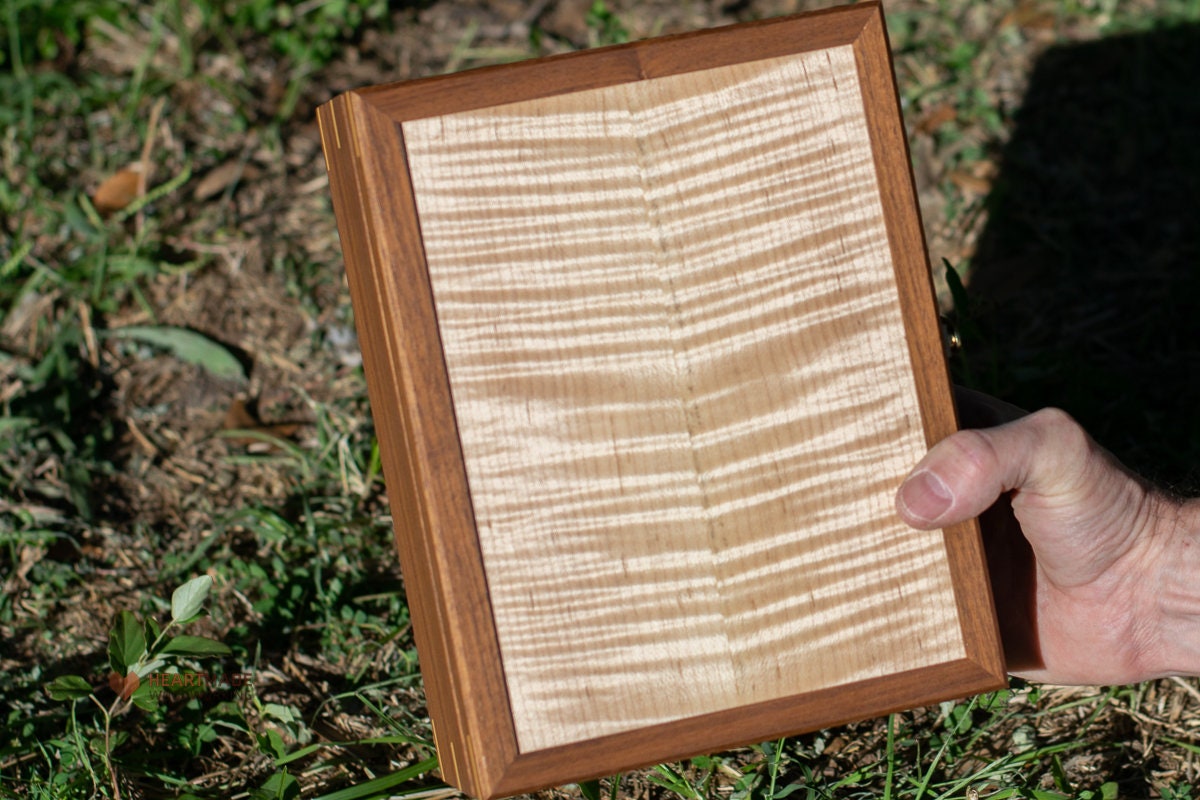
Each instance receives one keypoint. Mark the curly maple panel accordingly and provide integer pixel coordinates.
(679, 370)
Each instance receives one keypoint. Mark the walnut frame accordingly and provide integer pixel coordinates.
(414, 411)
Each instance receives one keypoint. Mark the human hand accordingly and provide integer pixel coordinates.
(1096, 575)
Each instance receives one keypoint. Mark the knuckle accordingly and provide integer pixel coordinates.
(1060, 428)
(1059, 424)
(974, 454)
(1066, 445)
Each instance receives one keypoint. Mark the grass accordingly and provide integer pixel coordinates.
(182, 399)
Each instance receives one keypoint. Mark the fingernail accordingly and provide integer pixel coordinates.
(925, 497)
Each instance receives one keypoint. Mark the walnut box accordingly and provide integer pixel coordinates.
(651, 342)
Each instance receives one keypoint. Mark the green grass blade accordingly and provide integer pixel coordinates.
(13, 261)
(891, 757)
(380, 786)
(156, 193)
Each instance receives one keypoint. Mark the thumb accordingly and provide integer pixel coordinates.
(1045, 454)
(1079, 509)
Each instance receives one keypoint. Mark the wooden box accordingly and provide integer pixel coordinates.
(651, 343)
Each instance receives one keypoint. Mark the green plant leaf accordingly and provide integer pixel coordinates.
(187, 345)
(126, 642)
(280, 786)
(150, 666)
(194, 646)
(189, 598)
(68, 687)
(10, 426)
(958, 292)
(671, 780)
(590, 789)
(145, 697)
(285, 714)
(272, 744)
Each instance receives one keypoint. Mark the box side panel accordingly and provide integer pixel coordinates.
(415, 425)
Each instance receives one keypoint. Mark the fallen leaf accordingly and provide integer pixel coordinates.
(971, 184)
(222, 177)
(117, 191)
(239, 417)
(1030, 15)
(568, 19)
(242, 417)
(187, 345)
(936, 117)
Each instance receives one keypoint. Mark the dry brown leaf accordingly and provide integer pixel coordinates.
(936, 117)
(223, 176)
(117, 190)
(241, 417)
(970, 184)
(568, 19)
(1029, 16)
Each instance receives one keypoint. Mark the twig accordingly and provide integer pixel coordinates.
(107, 755)
(1158, 723)
(147, 147)
(89, 335)
(1187, 687)
(136, 432)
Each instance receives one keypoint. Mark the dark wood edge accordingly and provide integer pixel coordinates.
(973, 595)
(723, 730)
(609, 66)
(910, 257)
(422, 460)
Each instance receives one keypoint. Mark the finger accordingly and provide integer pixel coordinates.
(1044, 453)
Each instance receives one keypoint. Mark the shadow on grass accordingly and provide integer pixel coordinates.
(1087, 278)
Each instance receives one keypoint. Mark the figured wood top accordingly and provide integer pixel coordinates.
(683, 393)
